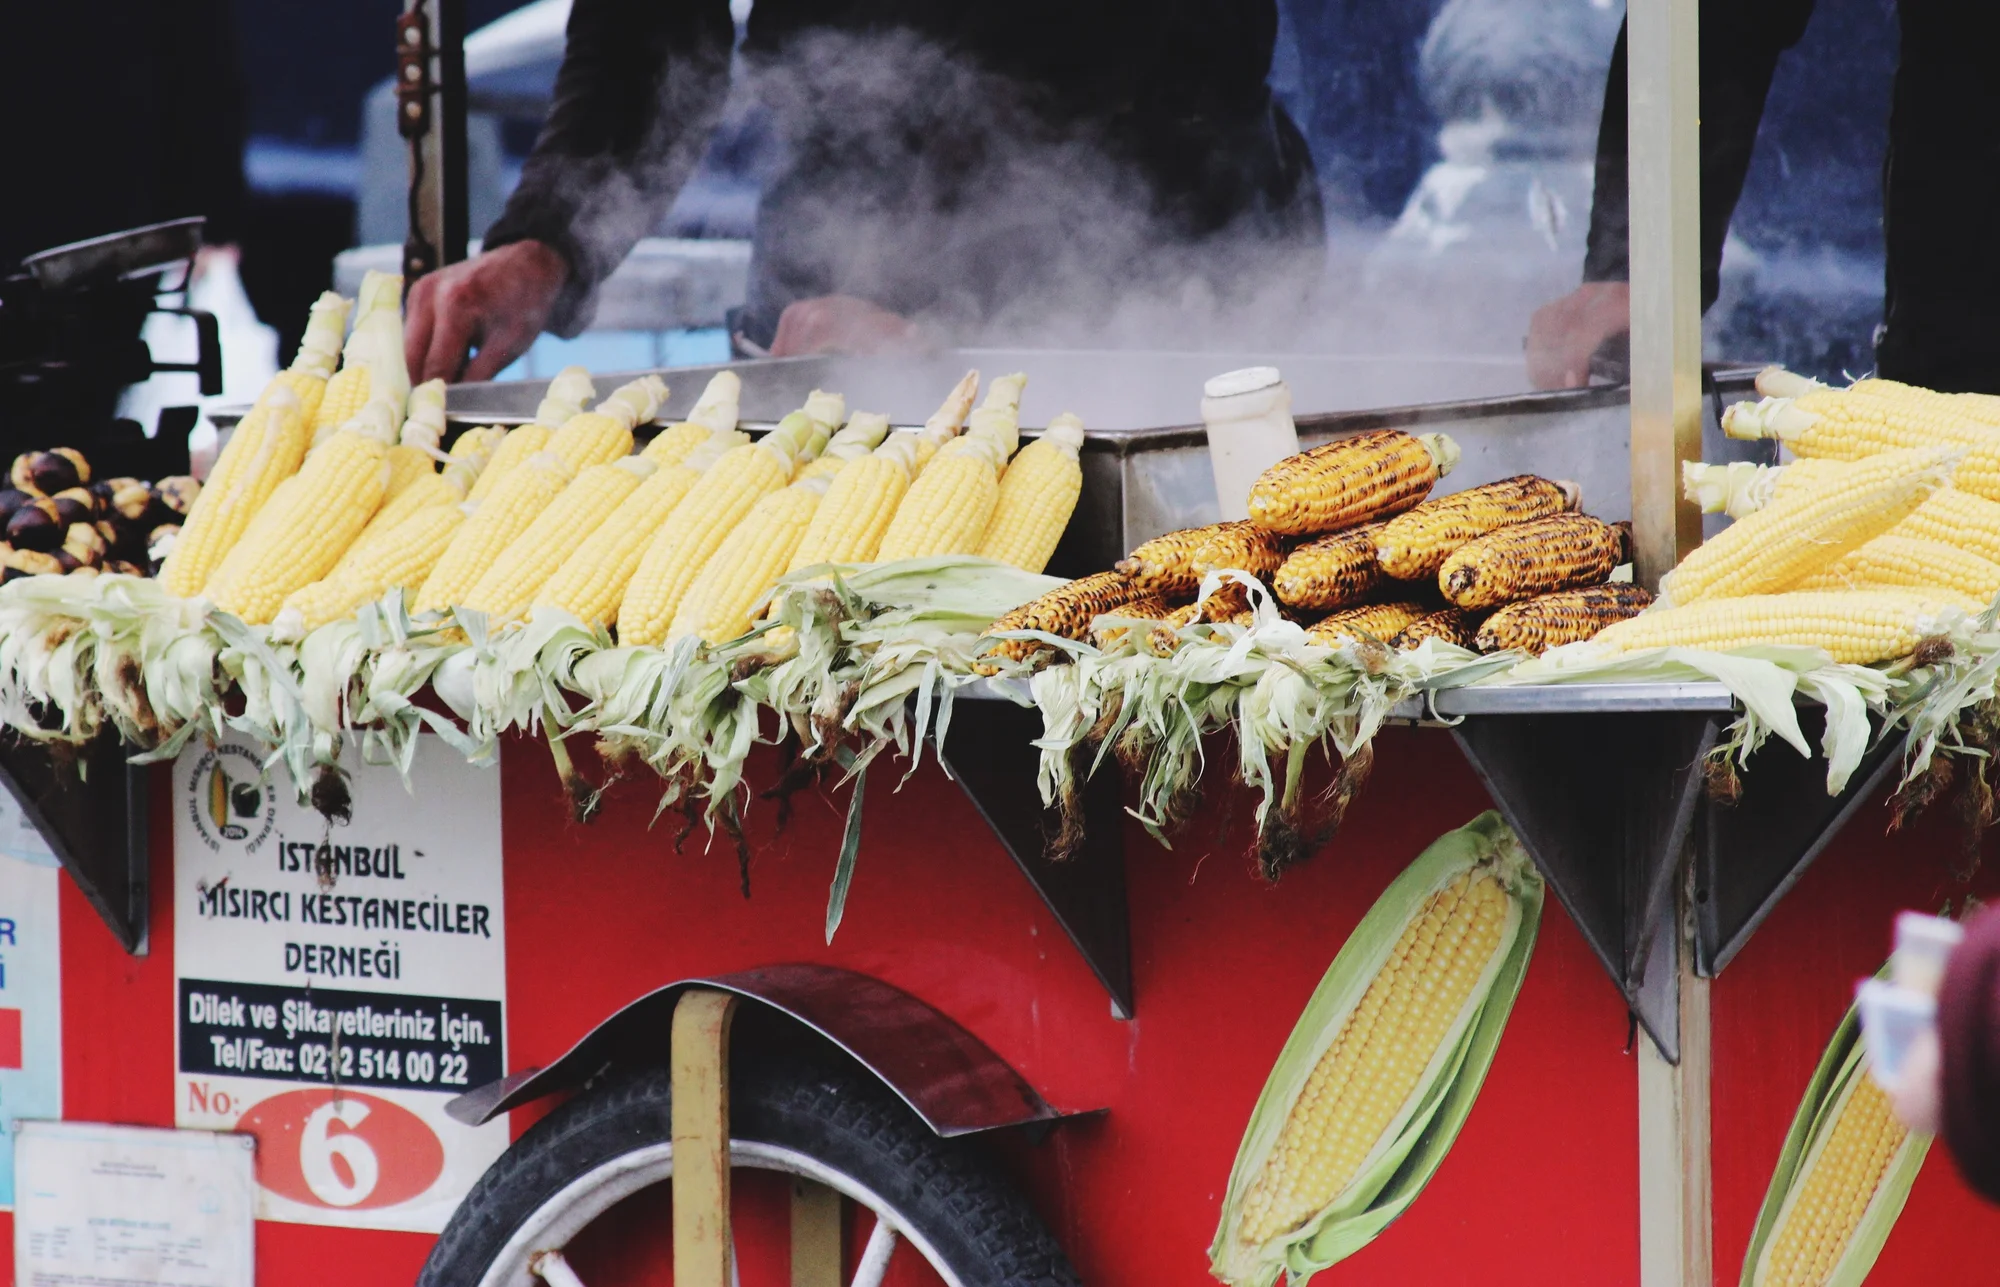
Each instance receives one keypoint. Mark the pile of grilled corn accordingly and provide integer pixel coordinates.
(1344, 536)
(337, 488)
(59, 521)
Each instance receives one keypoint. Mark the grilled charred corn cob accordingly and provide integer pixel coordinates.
(1373, 621)
(1565, 616)
(1162, 639)
(1386, 1062)
(1331, 571)
(1858, 626)
(1527, 559)
(1066, 610)
(1349, 481)
(1798, 534)
(1415, 544)
(1165, 564)
(1037, 496)
(1110, 629)
(1239, 547)
(1448, 624)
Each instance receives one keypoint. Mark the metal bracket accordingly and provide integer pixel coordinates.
(90, 807)
(990, 752)
(1749, 854)
(1605, 803)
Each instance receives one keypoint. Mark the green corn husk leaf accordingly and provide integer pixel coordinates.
(1839, 1074)
(1417, 1139)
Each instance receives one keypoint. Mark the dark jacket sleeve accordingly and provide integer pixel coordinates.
(1739, 53)
(1969, 1042)
(641, 85)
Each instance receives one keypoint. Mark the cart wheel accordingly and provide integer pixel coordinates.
(932, 1199)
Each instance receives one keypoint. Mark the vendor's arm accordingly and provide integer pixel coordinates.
(640, 88)
(1969, 1050)
(1739, 53)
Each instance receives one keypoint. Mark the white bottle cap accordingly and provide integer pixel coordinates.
(1250, 379)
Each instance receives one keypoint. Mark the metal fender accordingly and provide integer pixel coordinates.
(948, 1077)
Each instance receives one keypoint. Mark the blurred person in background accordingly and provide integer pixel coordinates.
(1941, 323)
(980, 168)
(1950, 1086)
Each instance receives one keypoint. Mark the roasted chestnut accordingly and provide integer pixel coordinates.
(35, 563)
(45, 473)
(128, 498)
(178, 493)
(11, 499)
(76, 461)
(83, 542)
(77, 505)
(36, 526)
(121, 568)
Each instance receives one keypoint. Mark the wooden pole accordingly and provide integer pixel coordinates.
(700, 1055)
(816, 1259)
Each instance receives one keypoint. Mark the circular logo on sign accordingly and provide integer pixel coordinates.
(342, 1149)
(228, 799)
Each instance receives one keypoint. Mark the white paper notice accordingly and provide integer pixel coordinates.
(123, 1206)
(338, 985)
(30, 983)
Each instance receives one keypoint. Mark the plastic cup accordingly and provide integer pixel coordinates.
(1923, 946)
(1893, 1019)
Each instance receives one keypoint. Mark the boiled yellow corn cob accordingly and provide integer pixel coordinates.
(696, 528)
(824, 411)
(1896, 561)
(427, 491)
(318, 355)
(592, 579)
(604, 433)
(1415, 544)
(1949, 517)
(416, 451)
(945, 422)
(563, 400)
(1859, 626)
(949, 505)
(1797, 535)
(1843, 425)
(478, 444)
(1776, 382)
(1037, 497)
(1349, 481)
(509, 585)
(1331, 571)
(1838, 1185)
(1375, 620)
(1066, 611)
(715, 411)
(1448, 624)
(1565, 616)
(741, 572)
(527, 491)
(1527, 559)
(404, 559)
(371, 365)
(310, 520)
(850, 521)
(862, 435)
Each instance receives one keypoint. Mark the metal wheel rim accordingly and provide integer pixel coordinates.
(571, 1209)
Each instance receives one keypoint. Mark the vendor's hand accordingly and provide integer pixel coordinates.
(497, 301)
(1565, 332)
(1918, 1097)
(843, 324)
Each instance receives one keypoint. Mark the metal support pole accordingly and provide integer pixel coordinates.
(1676, 1234)
(700, 1055)
(430, 114)
(1663, 93)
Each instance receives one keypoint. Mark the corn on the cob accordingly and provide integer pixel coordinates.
(718, 605)
(1527, 559)
(1110, 629)
(1331, 571)
(696, 528)
(404, 559)
(1371, 621)
(604, 433)
(1893, 560)
(1858, 626)
(416, 453)
(1776, 382)
(714, 412)
(1841, 1180)
(949, 505)
(510, 583)
(318, 355)
(1448, 624)
(310, 520)
(1415, 544)
(1037, 496)
(477, 444)
(1066, 611)
(1165, 564)
(1949, 517)
(945, 422)
(527, 491)
(1165, 637)
(862, 435)
(1798, 534)
(592, 579)
(562, 400)
(1565, 616)
(1842, 425)
(371, 365)
(1349, 481)
(860, 502)
(1391, 1049)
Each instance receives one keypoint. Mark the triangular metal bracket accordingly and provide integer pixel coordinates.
(1750, 853)
(1605, 803)
(990, 750)
(90, 806)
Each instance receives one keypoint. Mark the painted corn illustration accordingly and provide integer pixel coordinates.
(1384, 1065)
(1841, 1180)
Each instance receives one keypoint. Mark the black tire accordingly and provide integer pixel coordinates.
(944, 1192)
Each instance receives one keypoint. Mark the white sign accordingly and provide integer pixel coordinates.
(30, 982)
(338, 984)
(124, 1206)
